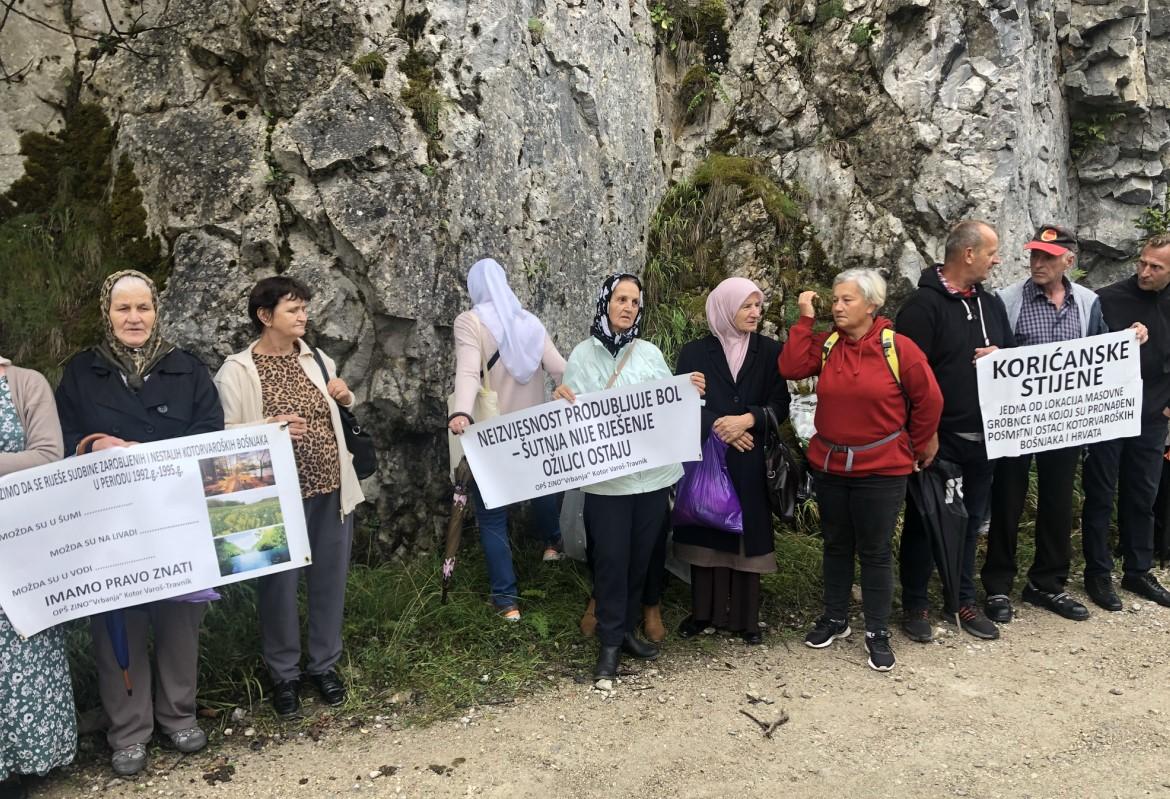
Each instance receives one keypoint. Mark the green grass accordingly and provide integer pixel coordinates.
(400, 640)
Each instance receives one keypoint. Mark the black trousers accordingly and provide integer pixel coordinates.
(1128, 468)
(1055, 472)
(623, 533)
(655, 583)
(858, 515)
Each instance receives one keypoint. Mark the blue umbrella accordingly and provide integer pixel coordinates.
(116, 630)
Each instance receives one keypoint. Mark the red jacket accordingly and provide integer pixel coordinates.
(858, 401)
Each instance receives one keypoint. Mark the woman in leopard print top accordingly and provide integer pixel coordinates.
(278, 379)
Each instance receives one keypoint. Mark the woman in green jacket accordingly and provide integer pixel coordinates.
(623, 516)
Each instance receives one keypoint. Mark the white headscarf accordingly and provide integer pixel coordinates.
(519, 334)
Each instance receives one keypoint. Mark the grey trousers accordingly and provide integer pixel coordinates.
(171, 698)
(330, 541)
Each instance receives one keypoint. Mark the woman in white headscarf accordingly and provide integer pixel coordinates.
(517, 352)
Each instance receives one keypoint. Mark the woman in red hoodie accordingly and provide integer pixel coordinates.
(878, 407)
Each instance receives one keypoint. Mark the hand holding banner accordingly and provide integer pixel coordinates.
(125, 526)
(560, 445)
(1052, 396)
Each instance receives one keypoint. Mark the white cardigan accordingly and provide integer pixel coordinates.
(243, 404)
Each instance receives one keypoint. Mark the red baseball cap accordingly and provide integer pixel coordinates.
(1054, 240)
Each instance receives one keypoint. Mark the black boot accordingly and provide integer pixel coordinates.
(635, 646)
(607, 663)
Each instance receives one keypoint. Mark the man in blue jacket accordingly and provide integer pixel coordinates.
(1130, 467)
(1044, 308)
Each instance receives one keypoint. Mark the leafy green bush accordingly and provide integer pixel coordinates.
(74, 217)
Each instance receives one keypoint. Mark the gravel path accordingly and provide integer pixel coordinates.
(1052, 709)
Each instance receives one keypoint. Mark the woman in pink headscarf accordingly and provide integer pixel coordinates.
(742, 380)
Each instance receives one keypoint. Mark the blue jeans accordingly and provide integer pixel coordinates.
(497, 549)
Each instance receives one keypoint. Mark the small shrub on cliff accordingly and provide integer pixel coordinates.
(1155, 220)
(422, 98)
(370, 65)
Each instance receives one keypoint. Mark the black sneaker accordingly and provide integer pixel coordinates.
(972, 620)
(826, 631)
(1146, 585)
(881, 657)
(916, 625)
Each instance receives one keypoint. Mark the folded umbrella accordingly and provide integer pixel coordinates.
(459, 498)
(116, 630)
(937, 493)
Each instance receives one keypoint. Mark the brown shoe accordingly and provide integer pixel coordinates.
(652, 624)
(589, 621)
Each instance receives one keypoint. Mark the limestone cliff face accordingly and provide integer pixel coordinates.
(377, 149)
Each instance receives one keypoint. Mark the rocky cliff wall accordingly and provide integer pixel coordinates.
(377, 149)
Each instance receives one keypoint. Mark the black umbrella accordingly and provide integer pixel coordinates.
(937, 493)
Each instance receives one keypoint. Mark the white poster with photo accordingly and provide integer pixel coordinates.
(1052, 396)
(560, 445)
(126, 526)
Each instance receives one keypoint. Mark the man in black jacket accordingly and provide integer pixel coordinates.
(954, 321)
(1142, 302)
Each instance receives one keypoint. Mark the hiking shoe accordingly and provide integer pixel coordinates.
(972, 620)
(189, 740)
(826, 631)
(129, 761)
(999, 607)
(881, 657)
(552, 554)
(916, 624)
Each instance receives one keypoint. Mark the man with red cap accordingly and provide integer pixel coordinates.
(1130, 467)
(1044, 308)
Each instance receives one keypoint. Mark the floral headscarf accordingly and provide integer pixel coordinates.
(134, 363)
(600, 329)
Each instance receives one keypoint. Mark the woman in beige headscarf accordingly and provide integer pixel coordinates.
(135, 386)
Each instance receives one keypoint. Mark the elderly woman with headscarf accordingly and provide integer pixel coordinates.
(38, 728)
(136, 386)
(280, 378)
(624, 516)
(742, 382)
(878, 407)
(513, 346)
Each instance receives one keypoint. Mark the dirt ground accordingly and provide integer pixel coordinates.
(1052, 709)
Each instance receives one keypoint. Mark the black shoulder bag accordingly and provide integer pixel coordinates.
(357, 441)
(781, 470)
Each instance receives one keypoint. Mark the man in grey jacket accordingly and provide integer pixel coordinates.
(1043, 308)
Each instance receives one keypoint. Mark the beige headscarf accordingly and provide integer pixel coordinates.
(134, 364)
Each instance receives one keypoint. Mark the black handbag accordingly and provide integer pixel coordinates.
(359, 443)
(784, 474)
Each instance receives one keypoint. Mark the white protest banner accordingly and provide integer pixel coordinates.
(1058, 395)
(125, 526)
(559, 445)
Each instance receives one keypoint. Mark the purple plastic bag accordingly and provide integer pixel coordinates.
(706, 497)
